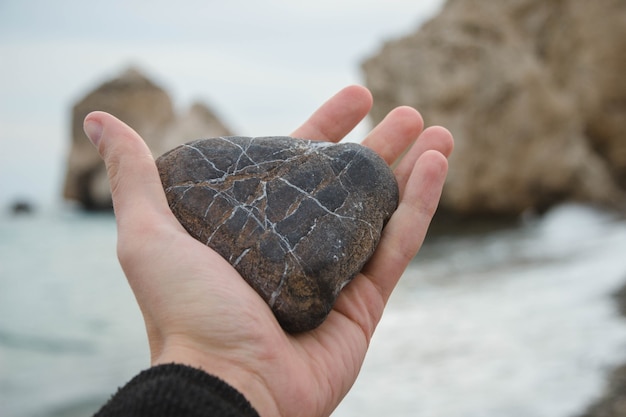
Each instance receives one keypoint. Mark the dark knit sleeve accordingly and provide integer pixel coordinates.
(177, 390)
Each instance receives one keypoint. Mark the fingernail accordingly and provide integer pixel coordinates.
(93, 130)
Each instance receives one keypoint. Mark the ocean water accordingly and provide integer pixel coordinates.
(516, 322)
(70, 331)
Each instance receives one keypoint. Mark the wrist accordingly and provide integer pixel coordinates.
(236, 373)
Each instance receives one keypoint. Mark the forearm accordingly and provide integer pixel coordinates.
(172, 389)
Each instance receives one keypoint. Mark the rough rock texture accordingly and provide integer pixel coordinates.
(146, 107)
(533, 91)
(297, 219)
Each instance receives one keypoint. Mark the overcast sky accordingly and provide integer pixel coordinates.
(264, 66)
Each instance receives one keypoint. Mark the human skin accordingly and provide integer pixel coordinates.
(199, 311)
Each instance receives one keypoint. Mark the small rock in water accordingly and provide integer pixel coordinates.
(297, 219)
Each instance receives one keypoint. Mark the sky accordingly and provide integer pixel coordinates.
(263, 66)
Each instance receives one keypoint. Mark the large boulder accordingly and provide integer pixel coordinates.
(533, 92)
(148, 109)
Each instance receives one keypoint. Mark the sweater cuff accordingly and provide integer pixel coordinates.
(176, 390)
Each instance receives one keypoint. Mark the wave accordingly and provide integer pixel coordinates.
(41, 344)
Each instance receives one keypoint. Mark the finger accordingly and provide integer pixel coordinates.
(338, 116)
(147, 229)
(136, 187)
(434, 138)
(405, 232)
(395, 133)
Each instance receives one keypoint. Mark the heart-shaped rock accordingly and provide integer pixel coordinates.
(298, 219)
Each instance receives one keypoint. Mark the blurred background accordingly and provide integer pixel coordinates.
(513, 306)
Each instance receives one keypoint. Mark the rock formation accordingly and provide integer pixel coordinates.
(148, 109)
(533, 91)
(297, 219)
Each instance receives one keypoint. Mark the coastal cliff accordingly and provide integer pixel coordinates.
(148, 109)
(533, 91)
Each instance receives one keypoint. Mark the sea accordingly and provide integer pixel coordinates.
(515, 321)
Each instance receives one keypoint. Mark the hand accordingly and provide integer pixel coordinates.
(198, 311)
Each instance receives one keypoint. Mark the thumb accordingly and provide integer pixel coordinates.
(135, 183)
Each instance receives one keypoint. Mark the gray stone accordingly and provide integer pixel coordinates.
(298, 219)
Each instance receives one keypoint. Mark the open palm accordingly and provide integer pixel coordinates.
(198, 310)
